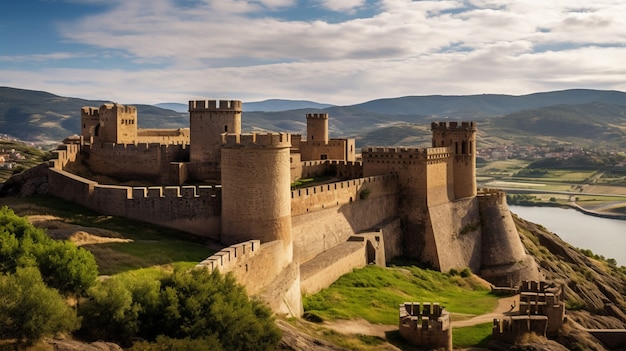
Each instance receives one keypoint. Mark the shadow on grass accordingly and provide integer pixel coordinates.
(151, 245)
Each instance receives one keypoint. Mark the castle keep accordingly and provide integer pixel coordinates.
(280, 241)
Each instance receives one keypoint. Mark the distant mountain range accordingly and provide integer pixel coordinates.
(587, 117)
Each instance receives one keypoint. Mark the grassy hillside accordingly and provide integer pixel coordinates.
(119, 245)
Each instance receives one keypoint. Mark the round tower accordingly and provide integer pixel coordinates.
(256, 192)
(461, 138)
(317, 128)
(208, 119)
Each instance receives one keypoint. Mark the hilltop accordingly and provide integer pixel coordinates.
(581, 116)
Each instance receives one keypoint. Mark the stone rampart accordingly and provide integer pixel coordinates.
(319, 197)
(163, 136)
(320, 229)
(321, 271)
(189, 208)
(405, 155)
(254, 266)
(453, 236)
(340, 169)
(64, 154)
(425, 325)
(135, 161)
(232, 258)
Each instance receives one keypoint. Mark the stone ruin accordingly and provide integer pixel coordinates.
(541, 311)
(426, 325)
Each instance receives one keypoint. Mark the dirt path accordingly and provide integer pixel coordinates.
(504, 308)
(361, 326)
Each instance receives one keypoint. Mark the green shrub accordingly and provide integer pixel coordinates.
(31, 310)
(195, 304)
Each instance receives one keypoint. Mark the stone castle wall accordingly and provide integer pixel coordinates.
(340, 169)
(456, 235)
(504, 259)
(192, 209)
(254, 266)
(327, 215)
(135, 161)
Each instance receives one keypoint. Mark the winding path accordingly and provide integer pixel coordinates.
(361, 326)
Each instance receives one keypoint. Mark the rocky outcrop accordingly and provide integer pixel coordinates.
(595, 291)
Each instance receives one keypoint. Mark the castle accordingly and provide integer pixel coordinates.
(281, 241)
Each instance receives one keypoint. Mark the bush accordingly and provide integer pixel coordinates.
(63, 266)
(31, 310)
(184, 305)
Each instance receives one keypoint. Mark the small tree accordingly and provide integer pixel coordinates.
(30, 310)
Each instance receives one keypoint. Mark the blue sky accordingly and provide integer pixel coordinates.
(330, 51)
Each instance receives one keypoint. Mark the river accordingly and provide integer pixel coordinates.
(603, 236)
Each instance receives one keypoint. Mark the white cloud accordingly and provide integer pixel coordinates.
(237, 49)
(341, 5)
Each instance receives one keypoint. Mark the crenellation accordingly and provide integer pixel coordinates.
(188, 191)
(215, 105)
(88, 111)
(172, 191)
(260, 140)
(227, 258)
(445, 126)
(425, 325)
(317, 116)
(155, 192)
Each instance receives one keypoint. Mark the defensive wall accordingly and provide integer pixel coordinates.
(254, 266)
(325, 216)
(504, 259)
(325, 268)
(455, 235)
(194, 209)
(426, 180)
(163, 136)
(425, 325)
(337, 168)
(135, 161)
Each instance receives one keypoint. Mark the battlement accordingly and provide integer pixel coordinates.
(215, 105)
(317, 116)
(89, 111)
(491, 196)
(397, 153)
(425, 325)
(170, 192)
(336, 194)
(231, 257)
(256, 140)
(120, 108)
(453, 126)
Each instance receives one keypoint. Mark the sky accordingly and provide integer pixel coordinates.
(339, 52)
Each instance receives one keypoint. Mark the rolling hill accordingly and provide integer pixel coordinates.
(585, 117)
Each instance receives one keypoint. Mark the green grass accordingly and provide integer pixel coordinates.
(151, 245)
(476, 335)
(374, 294)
